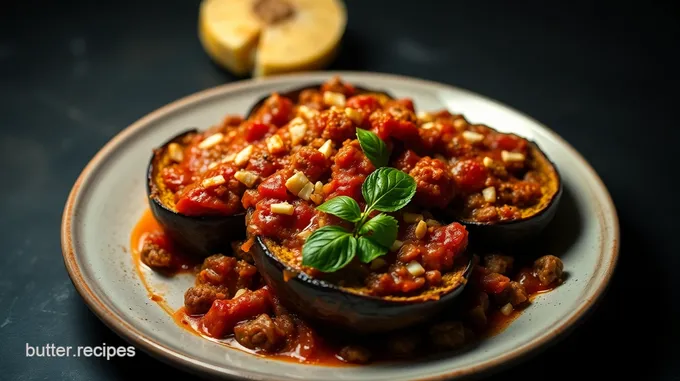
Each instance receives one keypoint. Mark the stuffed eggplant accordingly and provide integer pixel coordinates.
(358, 213)
(356, 307)
(514, 208)
(198, 232)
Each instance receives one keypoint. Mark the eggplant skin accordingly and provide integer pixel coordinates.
(328, 305)
(198, 236)
(517, 232)
(294, 94)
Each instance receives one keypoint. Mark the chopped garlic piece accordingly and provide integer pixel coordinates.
(488, 162)
(305, 234)
(175, 152)
(415, 268)
(421, 229)
(296, 182)
(316, 198)
(489, 194)
(354, 114)
(412, 217)
(327, 148)
(211, 141)
(297, 128)
(511, 156)
(246, 177)
(472, 137)
(334, 99)
(378, 263)
(427, 126)
(318, 188)
(229, 158)
(459, 124)
(306, 191)
(283, 208)
(396, 245)
(243, 156)
(213, 181)
(424, 116)
(240, 292)
(275, 144)
(506, 309)
(212, 165)
(307, 112)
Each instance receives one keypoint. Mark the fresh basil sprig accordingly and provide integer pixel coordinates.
(331, 248)
(374, 148)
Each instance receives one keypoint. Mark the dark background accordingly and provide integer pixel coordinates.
(603, 76)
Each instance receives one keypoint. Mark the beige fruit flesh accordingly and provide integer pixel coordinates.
(271, 36)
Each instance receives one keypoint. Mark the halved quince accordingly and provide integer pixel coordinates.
(266, 37)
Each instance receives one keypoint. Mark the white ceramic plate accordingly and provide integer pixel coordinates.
(109, 198)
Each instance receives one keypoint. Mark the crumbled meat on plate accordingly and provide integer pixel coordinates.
(155, 256)
(514, 293)
(199, 299)
(260, 333)
(497, 263)
(549, 269)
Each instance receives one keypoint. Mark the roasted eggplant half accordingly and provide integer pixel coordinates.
(198, 235)
(533, 219)
(294, 95)
(349, 309)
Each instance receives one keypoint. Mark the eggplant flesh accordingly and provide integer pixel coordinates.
(332, 306)
(198, 236)
(502, 234)
(294, 94)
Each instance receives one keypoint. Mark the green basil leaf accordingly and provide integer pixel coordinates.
(382, 229)
(388, 189)
(329, 249)
(374, 148)
(368, 250)
(343, 207)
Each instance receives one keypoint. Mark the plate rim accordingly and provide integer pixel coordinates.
(199, 367)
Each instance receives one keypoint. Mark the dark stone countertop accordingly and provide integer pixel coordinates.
(604, 76)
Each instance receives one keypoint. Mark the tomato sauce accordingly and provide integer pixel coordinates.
(290, 157)
(320, 346)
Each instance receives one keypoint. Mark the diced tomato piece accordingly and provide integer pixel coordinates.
(386, 126)
(274, 187)
(256, 130)
(507, 142)
(444, 245)
(304, 213)
(406, 161)
(199, 201)
(175, 177)
(365, 103)
(224, 314)
(494, 283)
(470, 174)
(276, 110)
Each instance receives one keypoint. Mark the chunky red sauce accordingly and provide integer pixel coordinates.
(482, 174)
(213, 310)
(298, 154)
